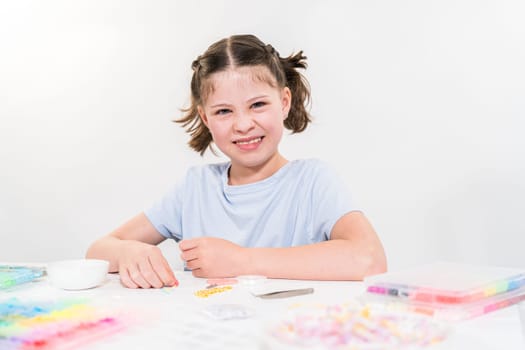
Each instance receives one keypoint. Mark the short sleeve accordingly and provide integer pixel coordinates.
(331, 199)
(166, 213)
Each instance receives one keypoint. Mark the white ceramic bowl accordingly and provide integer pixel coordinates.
(77, 274)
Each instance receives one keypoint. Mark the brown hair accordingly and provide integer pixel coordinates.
(238, 51)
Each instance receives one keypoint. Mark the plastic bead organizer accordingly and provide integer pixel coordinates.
(11, 276)
(447, 283)
(449, 291)
(63, 324)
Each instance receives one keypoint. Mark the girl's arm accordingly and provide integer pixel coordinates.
(132, 251)
(353, 252)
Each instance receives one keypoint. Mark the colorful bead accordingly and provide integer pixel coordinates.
(204, 293)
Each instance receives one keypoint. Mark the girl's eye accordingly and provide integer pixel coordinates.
(222, 112)
(258, 104)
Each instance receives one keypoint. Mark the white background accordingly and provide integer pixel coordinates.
(420, 106)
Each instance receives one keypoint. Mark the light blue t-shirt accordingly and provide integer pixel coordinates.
(297, 205)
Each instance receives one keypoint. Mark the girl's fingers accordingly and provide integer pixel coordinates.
(188, 244)
(125, 279)
(149, 275)
(163, 270)
(197, 273)
(136, 276)
(193, 264)
(189, 255)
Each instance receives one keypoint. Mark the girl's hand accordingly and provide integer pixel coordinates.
(142, 265)
(213, 257)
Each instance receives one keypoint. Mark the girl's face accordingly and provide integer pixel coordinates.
(245, 115)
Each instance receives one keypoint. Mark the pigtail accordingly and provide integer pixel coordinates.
(200, 134)
(298, 117)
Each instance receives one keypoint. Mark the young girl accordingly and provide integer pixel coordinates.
(258, 213)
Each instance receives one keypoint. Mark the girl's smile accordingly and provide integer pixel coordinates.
(248, 144)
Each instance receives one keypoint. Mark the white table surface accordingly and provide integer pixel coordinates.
(173, 318)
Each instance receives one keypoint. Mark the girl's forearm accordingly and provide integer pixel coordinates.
(107, 248)
(330, 260)
(137, 231)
